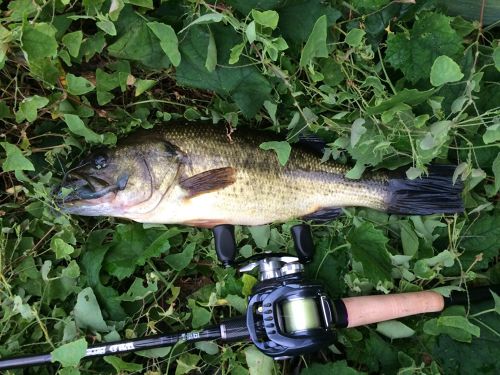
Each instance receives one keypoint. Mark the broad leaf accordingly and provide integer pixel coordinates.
(258, 363)
(29, 107)
(394, 329)
(70, 354)
(316, 43)
(15, 160)
(181, 260)
(137, 42)
(78, 85)
(337, 368)
(88, 313)
(354, 37)
(445, 70)
(73, 41)
(78, 127)
(430, 37)
(168, 41)
(244, 84)
(282, 149)
(121, 366)
(39, 41)
(369, 247)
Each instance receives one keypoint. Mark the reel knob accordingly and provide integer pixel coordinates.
(225, 244)
(302, 239)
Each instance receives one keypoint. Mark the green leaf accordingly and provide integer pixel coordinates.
(72, 270)
(258, 363)
(70, 354)
(496, 172)
(205, 19)
(142, 85)
(430, 37)
(132, 246)
(236, 52)
(121, 366)
(261, 235)
(208, 347)
(168, 41)
(369, 247)
(77, 126)
(394, 329)
(337, 368)
(68, 371)
(105, 81)
(88, 313)
(73, 41)
(357, 131)
(411, 97)
(61, 248)
(78, 85)
(141, 3)
(246, 86)
(39, 41)
(356, 172)
(480, 238)
(181, 260)
(29, 107)
(211, 61)
(459, 322)
(239, 303)
(137, 42)
(200, 315)
(354, 37)
(186, 364)
(492, 133)
(298, 18)
(138, 291)
(282, 149)
(445, 70)
(269, 18)
(248, 283)
(316, 43)
(15, 160)
(496, 57)
(409, 239)
(107, 26)
(496, 298)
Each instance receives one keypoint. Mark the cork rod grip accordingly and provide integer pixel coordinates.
(373, 309)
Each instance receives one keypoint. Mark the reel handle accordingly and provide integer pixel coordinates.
(359, 311)
(303, 241)
(225, 244)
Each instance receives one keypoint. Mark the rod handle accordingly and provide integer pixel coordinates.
(373, 309)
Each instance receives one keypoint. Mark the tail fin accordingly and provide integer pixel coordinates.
(432, 194)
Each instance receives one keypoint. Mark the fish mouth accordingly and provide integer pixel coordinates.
(79, 187)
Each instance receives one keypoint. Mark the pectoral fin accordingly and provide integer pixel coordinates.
(208, 181)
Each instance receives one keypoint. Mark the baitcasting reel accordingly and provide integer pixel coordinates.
(287, 315)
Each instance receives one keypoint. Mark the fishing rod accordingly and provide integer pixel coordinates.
(287, 315)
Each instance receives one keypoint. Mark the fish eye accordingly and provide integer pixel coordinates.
(100, 162)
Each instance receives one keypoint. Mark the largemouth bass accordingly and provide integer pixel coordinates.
(195, 174)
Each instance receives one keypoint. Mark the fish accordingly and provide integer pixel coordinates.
(198, 175)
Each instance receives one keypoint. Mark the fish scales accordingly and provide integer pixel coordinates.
(197, 174)
(264, 191)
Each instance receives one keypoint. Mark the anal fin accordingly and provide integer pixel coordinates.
(211, 180)
(324, 214)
